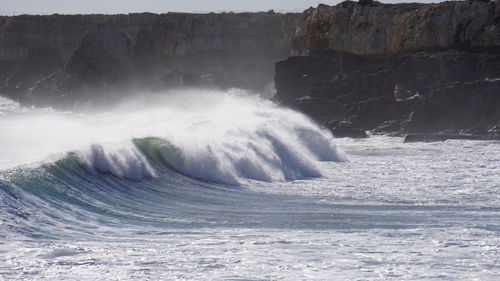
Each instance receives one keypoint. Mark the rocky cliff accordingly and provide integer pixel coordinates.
(373, 28)
(412, 68)
(62, 59)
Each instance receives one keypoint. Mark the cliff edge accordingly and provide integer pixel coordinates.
(372, 28)
(63, 59)
(404, 68)
(390, 68)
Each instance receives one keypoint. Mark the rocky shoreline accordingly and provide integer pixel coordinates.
(420, 69)
(417, 94)
(428, 70)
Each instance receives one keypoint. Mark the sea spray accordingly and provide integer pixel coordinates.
(222, 137)
(121, 160)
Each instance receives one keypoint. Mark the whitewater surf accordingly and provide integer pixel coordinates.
(211, 185)
(210, 135)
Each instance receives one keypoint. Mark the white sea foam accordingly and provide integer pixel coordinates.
(394, 211)
(217, 136)
(123, 160)
(7, 106)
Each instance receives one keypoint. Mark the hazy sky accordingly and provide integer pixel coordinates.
(15, 7)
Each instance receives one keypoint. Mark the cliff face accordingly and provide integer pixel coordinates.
(44, 56)
(402, 67)
(418, 93)
(412, 68)
(376, 29)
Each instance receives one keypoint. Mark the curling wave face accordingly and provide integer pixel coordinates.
(141, 191)
(155, 160)
(222, 137)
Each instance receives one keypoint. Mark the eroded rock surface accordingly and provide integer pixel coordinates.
(354, 67)
(405, 68)
(85, 53)
(376, 28)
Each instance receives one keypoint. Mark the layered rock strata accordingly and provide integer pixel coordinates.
(410, 68)
(373, 28)
(66, 59)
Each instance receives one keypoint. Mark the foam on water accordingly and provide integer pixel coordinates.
(7, 106)
(121, 207)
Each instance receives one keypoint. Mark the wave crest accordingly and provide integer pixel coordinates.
(210, 135)
(123, 161)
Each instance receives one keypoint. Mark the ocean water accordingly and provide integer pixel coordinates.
(207, 185)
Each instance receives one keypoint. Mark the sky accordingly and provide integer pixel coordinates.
(16, 7)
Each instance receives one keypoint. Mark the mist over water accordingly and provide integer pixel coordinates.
(212, 135)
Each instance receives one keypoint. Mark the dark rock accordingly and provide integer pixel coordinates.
(343, 129)
(495, 130)
(439, 137)
(460, 105)
(388, 126)
(371, 3)
(416, 68)
(476, 131)
(102, 58)
(99, 67)
(162, 51)
(419, 93)
(375, 111)
(325, 110)
(402, 94)
(367, 28)
(397, 68)
(40, 62)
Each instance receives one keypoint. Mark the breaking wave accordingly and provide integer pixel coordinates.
(221, 137)
(154, 160)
